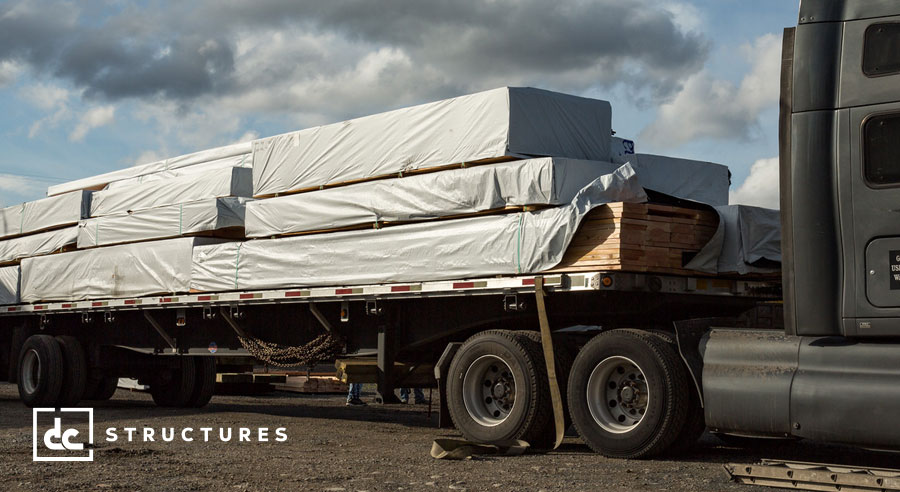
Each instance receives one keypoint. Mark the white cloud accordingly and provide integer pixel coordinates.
(761, 186)
(9, 72)
(248, 136)
(93, 118)
(47, 97)
(148, 156)
(712, 108)
(686, 16)
(18, 185)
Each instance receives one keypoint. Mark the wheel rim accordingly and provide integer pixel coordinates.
(489, 390)
(617, 394)
(31, 371)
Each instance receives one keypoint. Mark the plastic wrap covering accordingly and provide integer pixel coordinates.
(221, 183)
(242, 160)
(496, 123)
(506, 244)
(101, 180)
(42, 243)
(204, 216)
(9, 285)
(748, 240)
(127, 270)
(44, 214)
(704, 182)
(544, 181)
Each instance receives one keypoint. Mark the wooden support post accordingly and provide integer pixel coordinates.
(384, 392)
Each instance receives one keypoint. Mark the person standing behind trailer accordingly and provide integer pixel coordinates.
(353, 394)
(419, 396)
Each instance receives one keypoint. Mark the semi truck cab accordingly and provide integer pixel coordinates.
(833, 374)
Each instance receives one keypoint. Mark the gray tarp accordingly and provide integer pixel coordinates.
(215, 184)
(42, 243)
(495, 123)
(506, 244)
(162, 222)
(704, 182)
(180, 162)
(127, 270)
(241, 160)
(542, 181)
(9, 285)
(745, 236)
(44, 214)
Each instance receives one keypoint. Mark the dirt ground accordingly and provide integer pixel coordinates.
(332, 447)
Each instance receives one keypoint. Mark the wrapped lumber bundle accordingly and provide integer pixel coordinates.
(228, 182)
(45, 214)
(9, 285)
(496, 124)
(507, 244)
(39, 244)
(240, 161)
(219, 217)
(172, 165)
(127, 270)
(494, 188)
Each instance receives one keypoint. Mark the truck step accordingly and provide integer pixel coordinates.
(814, 476)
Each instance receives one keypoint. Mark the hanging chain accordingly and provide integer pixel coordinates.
(323, 348)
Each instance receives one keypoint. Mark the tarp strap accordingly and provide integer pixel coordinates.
(180, 218)
(519, 244)
(22, 219)
(547, 344)
(454, 449)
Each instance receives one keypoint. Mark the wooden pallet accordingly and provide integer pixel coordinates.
(639, 237)
(312, 384)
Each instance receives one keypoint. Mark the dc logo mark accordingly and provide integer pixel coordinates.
(63, 441)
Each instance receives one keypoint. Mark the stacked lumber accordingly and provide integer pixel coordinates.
(315, 383)
(639, 237)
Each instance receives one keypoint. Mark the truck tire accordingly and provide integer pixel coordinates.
(497, 390)
(101, 386)
(40, 371)
(204, 381)
(174, 387)
(74, 371)
(628, 394)
(695, 424)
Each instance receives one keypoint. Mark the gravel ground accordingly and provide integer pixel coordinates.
(334, 447)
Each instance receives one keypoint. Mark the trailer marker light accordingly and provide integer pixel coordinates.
(606, 281)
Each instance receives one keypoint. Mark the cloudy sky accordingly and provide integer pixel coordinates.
(90, 88)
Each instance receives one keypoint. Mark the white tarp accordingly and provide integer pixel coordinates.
(746, 235)
(45, 214)
(242, 160)
(204, 216)
(127, 270)
(42, 243)
(220, 183)
(99, 181)
(491, 124)
(704, 182)
(507, 244)
(543, 181)
(9, 285)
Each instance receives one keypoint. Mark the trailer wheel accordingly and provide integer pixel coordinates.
(101, 386)
(204, 382)
(695, 424)
(497, 389)
(74, 371)
(628, 394)
(40, 371)
(174, 387)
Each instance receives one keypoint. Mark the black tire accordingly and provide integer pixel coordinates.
(40, 371)
(174, 387)
(664, 414)
(106, 388)
(204, 383)
(74, 371)
(530, 417)
(695, 424)
(564, 356)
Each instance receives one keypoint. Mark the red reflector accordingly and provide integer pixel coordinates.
(294, 293)
(166, 299)
(463, 285)
(38, 308)
(341, 292)
(11, 310)
(204, 298)
(400, 288)
(96, 304)
(246, 296)
(528, 281)
(130, 301)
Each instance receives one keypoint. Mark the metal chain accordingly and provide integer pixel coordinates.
(322, 348)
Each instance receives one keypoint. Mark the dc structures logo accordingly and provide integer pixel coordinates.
(63, 441)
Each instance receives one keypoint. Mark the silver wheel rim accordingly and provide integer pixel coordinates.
(618, 394)
(489, 390)
(31, 371)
